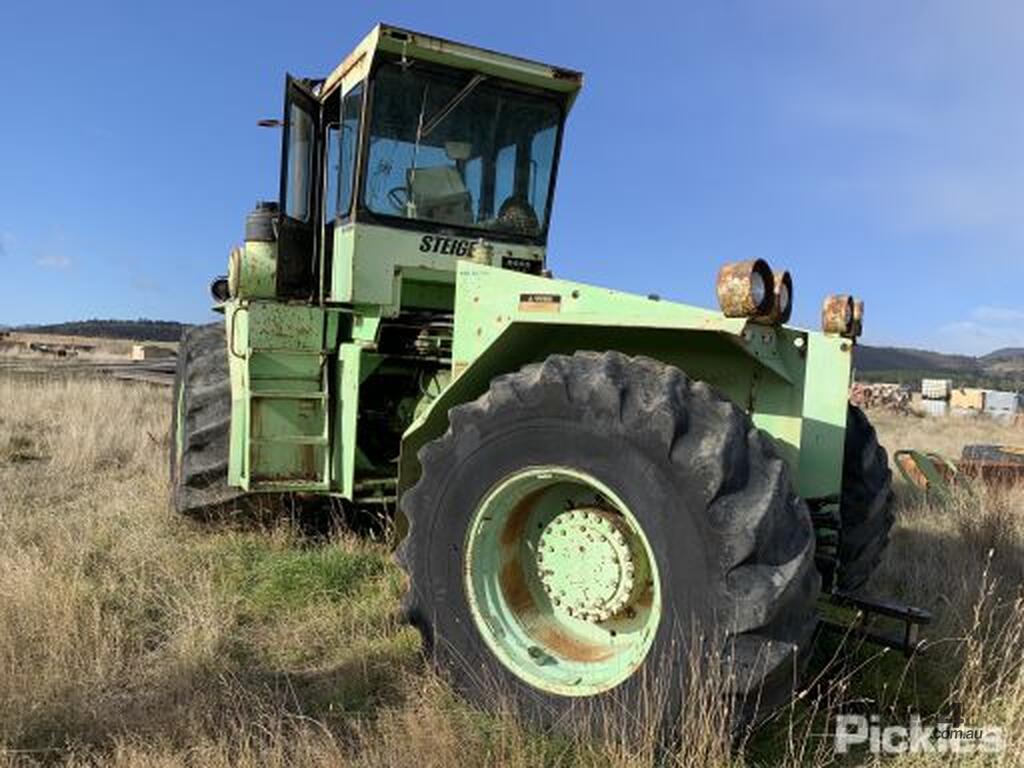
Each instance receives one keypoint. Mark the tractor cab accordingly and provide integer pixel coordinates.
(414, 153)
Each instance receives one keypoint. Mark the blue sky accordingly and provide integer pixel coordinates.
(872, 147)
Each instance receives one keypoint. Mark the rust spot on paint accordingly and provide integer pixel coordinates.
(521, 602)
(646, 600)
(515, 527)
(569, 647)
(514, 588)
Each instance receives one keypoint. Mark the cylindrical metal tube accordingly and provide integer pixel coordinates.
(746, 288)
(782, 301)
(837, 314)
(858, 319)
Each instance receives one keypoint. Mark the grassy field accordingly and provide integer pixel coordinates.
(18, 344)
(131, 638)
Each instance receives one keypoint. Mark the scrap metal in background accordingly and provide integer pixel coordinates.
(890, 397)
(993, 465)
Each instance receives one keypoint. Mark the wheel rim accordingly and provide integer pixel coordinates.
(561, 581)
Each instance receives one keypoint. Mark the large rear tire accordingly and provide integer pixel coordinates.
(866, 505)
(201, 425)
(614, 472)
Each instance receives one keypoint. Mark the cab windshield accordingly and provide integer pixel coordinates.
(460, 149)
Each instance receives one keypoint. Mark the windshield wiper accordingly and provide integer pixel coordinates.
(423, 129)
(446, 110)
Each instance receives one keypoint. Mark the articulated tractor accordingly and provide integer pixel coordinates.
(580, 481)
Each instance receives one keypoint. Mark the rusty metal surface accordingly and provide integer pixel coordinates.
(993, 473)
(733, 287)
(837, 314)
(858, 319)
(993, 466)
(779, 315)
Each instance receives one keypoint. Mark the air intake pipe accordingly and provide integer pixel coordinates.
(252, 267)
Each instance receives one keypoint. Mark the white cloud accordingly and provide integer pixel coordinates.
(53, 261)
(999, 316)
(6, 243)
(985, 330)
(52, 251)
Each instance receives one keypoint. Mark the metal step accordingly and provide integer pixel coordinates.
(284, 394)
(291, 439)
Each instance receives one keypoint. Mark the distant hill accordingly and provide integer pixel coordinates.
(1002, 369)
(890, 358)
(139, 330)
(1009, 353)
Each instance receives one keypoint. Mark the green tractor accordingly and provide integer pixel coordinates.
(581, 481)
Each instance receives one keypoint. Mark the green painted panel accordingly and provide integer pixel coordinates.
(826, 398)
(279, 430)
(282, 466)
(256, 269)
(793, 383)
(236, 321)
(287, 417)
(371, 265)
(488, 299)
(278, 326)
(282, 369)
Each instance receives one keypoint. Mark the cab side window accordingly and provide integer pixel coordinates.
(300, 163)
(342, 150)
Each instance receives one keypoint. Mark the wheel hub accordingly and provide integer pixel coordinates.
(586, 563)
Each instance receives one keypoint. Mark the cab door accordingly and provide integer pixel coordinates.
(300, 183)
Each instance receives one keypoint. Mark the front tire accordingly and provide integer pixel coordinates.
(639, 469)
(201, 425)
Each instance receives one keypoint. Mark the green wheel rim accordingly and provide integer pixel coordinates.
(562, 582)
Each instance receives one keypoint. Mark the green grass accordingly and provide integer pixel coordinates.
(272, 577)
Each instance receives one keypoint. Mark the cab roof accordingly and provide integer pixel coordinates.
(415, 45)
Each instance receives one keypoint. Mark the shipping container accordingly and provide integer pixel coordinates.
(1002, 402)
(936, 389)
(935, 407)
(968, 399)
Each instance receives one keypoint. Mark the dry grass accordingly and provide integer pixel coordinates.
(131, 638)
(101, 347)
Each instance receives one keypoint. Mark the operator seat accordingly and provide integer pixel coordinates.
(517, 215)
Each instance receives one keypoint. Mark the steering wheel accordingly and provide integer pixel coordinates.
(399, 198)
